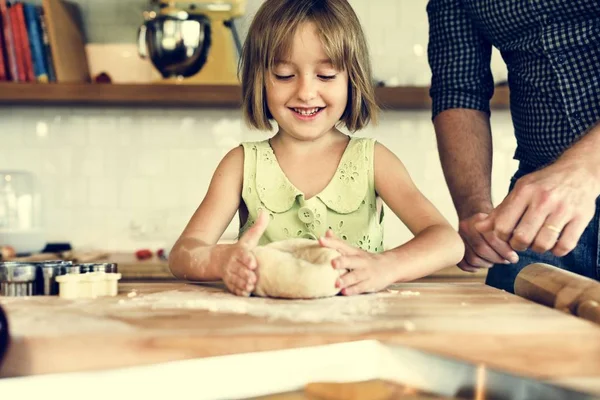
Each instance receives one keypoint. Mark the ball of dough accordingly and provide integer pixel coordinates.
(296, 269)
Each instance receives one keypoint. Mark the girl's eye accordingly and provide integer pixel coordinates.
(283, 77)
(327, 77)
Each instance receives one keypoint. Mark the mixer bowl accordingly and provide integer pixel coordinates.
(178, 45)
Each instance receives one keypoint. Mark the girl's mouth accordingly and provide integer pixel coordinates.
(307, 113)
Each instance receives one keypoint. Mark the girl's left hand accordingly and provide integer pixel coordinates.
(367, 272)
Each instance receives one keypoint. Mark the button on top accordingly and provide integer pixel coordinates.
(306, 215)
(561, 59)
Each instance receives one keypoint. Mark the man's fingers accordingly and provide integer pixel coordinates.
(547, 236)
(569, 237)
(485, 223)
(507, 215)
(465, 267)
(471, 259)
(478, 235)
(496, 250)
(252, 236)
(528, 227)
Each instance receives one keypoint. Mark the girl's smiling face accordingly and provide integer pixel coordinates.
(305, 93)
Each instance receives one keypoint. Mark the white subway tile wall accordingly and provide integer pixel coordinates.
(121, 179)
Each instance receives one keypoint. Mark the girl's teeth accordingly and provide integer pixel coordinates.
(306, 112)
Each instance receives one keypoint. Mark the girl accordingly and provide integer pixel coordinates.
(305, 65)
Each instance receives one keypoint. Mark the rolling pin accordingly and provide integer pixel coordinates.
(560, 289)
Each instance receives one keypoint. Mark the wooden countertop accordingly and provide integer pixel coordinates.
(157, 322)
(155, 268)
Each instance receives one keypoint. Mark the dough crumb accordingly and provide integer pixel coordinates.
(409, 326)
(408, 293)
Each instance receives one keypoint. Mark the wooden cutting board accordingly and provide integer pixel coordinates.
(158, 322)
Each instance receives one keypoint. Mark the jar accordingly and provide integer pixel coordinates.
(21, 224)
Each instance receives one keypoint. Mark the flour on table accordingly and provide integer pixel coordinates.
(331, 309)
(36, 322)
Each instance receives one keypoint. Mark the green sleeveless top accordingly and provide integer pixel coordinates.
(348, 205)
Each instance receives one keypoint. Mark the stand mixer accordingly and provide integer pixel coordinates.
(193, 41)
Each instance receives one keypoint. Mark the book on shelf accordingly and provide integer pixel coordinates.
(39, 52)
(41, 44)
(2, 51)
(10, 61)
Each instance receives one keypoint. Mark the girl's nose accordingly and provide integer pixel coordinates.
(307, 89)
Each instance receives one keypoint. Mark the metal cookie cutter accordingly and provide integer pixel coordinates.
(47, 271)
(17, 278)
(98, 267)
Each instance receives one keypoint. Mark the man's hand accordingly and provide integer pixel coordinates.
(547, 210)
(239, 271)
(482, 249)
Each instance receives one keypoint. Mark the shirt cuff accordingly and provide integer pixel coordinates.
(456, 99)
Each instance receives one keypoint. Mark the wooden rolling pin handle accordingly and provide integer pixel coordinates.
(590, 310)
(560, 289)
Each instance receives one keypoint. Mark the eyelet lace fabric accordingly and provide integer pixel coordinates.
(347, 205)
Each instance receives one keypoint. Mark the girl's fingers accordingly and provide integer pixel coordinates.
(351, 262)
(252, 236)
(362, 287)
(352, 278)
(241, 280)
(247, 259)
(330, 241)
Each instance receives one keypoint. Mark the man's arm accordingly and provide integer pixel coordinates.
(465, 146)
(461, 88)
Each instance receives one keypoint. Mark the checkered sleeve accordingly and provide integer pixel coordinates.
(459, 58)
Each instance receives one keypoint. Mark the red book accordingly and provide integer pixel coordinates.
(25, 48)
(11, 60)
(3, 71)
(16, 33)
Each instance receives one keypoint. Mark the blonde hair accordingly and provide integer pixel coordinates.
(270, 39)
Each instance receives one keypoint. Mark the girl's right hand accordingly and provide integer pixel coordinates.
(239, 272)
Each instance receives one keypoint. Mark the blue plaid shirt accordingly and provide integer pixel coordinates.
(552, 52)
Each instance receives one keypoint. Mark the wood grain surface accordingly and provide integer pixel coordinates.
(147, 324)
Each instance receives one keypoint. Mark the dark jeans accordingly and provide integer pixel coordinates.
(583, 260)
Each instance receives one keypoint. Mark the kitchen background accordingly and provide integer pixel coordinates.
(126, 178)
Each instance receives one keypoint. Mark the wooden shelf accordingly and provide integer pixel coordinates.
(198, 96)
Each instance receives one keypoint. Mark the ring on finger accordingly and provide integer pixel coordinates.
(553, 228)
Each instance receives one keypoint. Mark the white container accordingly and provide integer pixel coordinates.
(112, 284)
(88, 286)
(69, 286)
